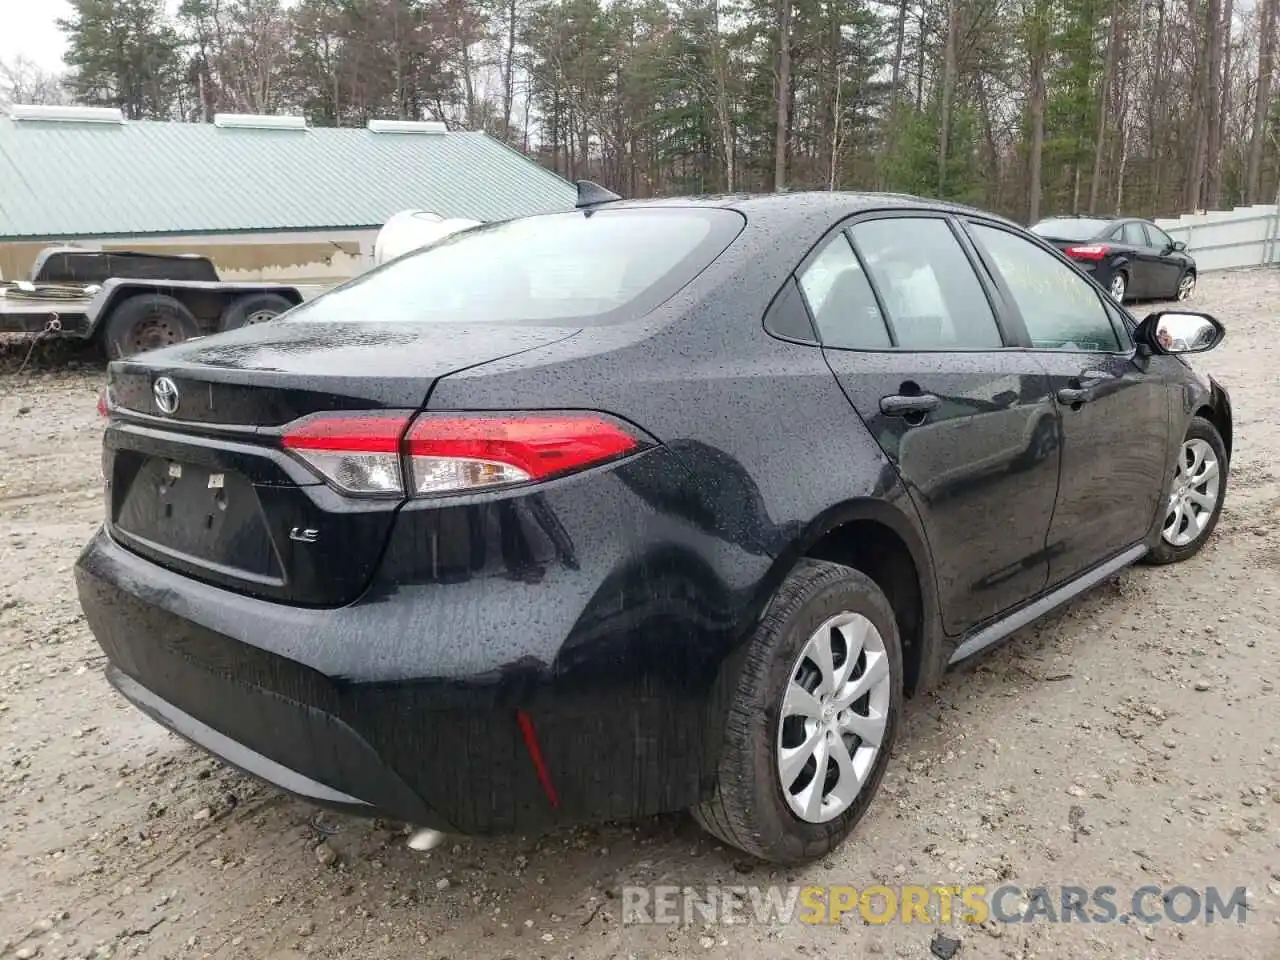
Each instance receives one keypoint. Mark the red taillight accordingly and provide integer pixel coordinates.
(450, 452)
(358, 453)
(1090, 251)
(102, 403)
(362, 454)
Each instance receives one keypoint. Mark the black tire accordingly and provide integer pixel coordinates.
(144, 322)
(252, 308)
(1165, 552)
(1178, 294)
(748, 809)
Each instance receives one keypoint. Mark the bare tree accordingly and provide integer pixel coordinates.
(23, 81)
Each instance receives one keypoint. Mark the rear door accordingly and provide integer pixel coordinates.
(1114, 407)
(913, 338)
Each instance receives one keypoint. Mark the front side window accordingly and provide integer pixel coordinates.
(1134, 234)
(841, 300)
(1059, 307)
(933, 298)
(561, 267)
(1159, 238)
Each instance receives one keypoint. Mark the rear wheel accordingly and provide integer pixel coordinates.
(251, 309)
(1186, 286)
(147, 322)
(813, 718)
(1119, 286)
(1195, 497)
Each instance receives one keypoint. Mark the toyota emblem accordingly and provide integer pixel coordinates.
(166, 394)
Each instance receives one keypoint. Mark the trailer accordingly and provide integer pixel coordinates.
(131, 302)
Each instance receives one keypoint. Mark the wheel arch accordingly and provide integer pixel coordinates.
(1218, 412)
(880, 540)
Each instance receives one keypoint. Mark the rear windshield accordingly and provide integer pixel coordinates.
(1070, 228)
(571, 267)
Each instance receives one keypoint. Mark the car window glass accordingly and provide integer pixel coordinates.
(557, 267)
(843, 305)
(1059, 307)
(1158, 237)
(930, 291)
(1134, 234)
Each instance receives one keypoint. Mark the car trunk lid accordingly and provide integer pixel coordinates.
(201, 483)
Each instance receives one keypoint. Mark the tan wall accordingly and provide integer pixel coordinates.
(312, 256)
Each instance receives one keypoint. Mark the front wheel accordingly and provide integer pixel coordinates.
(1196, 495)
(1186, 286)
(1119, 286)
(813, 718)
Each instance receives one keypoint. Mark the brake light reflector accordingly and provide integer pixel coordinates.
(102, 403)
(358, 453)
(452, 453)
(1090, 251)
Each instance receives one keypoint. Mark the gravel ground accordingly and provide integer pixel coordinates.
(1127, 740)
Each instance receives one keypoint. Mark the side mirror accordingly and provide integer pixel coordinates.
(1179, 247)
(1175, 331)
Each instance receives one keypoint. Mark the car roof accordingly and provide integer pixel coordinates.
(803, 206)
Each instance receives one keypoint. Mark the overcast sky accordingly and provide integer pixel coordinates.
(29, 28)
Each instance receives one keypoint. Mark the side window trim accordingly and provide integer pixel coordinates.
(894, 342)
(839, 233)
(1127, 348)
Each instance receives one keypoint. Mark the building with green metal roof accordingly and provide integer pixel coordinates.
(247, 190)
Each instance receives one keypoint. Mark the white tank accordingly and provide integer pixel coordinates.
(412, 229)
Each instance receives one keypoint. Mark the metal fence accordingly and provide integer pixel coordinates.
(1229, 239)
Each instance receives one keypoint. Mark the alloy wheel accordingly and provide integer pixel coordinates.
(1118, 287)
(1194, 497)
(1187, 286)
(835, 711)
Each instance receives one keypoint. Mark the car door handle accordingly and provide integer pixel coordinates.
(899, 405)
(1070, 396)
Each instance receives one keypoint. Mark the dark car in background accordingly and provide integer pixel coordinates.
(1131, 258)
(642, 507)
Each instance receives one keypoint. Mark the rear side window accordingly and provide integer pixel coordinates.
(928, 286)
(840, 298)
(564, 267)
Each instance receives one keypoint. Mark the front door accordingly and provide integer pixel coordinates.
(1167, 265)
(1114, 463)
(910, 334)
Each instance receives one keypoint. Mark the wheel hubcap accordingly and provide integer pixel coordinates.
(1117, 286)
(834, 714)
(1194, 496)
(261, 316)
(1186, 287)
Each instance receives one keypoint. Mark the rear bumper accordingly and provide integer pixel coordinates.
(233, 752)
(419, 701)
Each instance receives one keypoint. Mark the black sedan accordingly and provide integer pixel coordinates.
(1133, 259)
(640, 507)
